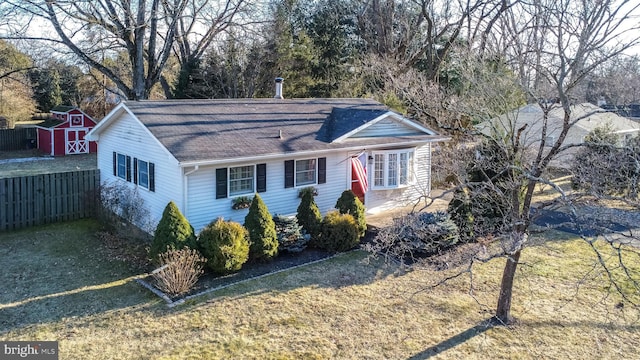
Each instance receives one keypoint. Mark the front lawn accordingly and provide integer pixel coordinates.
(58, 284)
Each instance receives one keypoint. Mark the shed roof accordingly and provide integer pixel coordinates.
(62, 108)
(198, 130)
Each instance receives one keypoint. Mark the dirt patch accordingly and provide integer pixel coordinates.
(31, 162)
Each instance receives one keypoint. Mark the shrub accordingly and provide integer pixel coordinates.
(173, 232)
(225, 244)
(416, 234)
(290, 236)
(179, 271)
(339, 232)
(262, 230)
(348, 203)
(460, 211)
(120, 206)
(308, 214)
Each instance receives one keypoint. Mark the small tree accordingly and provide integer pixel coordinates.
(348, 203)
(262, 231)
(173, 232)
(339, 232)
(308, 215)
(225, 244)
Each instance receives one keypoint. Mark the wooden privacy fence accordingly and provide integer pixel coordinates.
(17, 139)
(47, 198)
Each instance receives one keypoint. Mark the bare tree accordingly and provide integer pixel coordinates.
(422, 33)
(550, 47)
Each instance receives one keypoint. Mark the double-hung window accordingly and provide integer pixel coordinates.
(143, 174)
(306, 172)
(393, 168)
(121, 166)
(241, 180)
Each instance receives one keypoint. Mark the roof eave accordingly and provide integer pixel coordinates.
(257, 158)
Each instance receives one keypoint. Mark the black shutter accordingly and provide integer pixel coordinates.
(135, 170)
(288, 174)
(221, 183)
(115, 164)
(128, 168)
(322, 170)
(261, 177)
(152, 177)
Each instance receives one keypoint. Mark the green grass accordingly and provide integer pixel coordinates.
(343, 308)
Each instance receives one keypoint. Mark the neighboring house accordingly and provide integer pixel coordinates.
(64, 132)
(586, 116)
(631, 111)
(202, 154)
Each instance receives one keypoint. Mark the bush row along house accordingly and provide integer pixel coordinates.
(203, 154)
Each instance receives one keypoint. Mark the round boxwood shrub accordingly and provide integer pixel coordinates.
(308, 214)
(225, 245)
(348, 203)
(173, 232)
(262, 231)
(339, 232)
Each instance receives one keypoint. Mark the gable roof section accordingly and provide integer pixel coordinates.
(587, 117)
(204, 130)
(62, 108)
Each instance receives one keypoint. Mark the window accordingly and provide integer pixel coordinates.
(143, 174)
(241, 180)
(76, 120)
(121, 166)
(392, 169)
(305, 172)
(143, 171)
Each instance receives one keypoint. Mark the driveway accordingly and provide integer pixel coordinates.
(587, 225)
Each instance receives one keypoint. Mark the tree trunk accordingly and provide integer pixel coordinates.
(503, 311)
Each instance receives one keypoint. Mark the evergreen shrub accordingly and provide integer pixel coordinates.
(339, 232)
(290, 237)
(308, 214)
(173, 232)
(348, 203)
(225, 245)
(262, 231)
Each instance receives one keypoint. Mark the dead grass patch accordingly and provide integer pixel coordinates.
(344, 308)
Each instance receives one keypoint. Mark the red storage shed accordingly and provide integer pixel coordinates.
(63, 133)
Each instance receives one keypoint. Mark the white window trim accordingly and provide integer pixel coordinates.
(138, 174)
(410, 171)
(295, 173)
(254, 185)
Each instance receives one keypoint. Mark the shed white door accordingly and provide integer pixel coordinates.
(76, 144)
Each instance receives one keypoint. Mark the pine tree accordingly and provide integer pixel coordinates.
(173, 232)
(262, 230)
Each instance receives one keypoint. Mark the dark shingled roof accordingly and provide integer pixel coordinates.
(200, 130)
(63, 108)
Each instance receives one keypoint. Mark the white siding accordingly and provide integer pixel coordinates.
(127, 136)
(377, 201)
(387, 127)
(202, 206)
